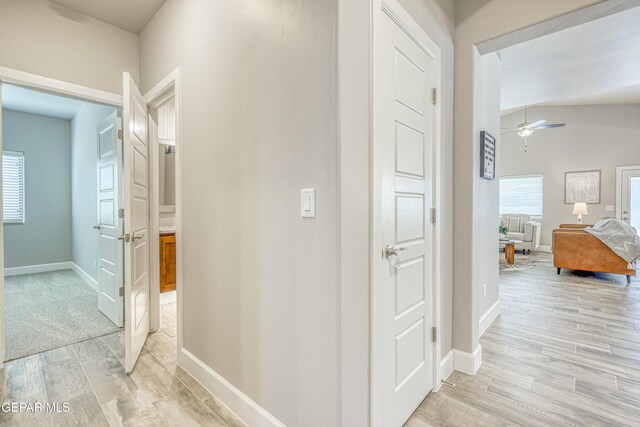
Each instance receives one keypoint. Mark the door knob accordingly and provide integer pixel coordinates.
(97, 227)
(126, 237)
(390, 251)
(137, 237)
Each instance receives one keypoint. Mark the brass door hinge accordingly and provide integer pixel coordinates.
(120, 136)
(433, 215)
(433, 334)
(434, 96)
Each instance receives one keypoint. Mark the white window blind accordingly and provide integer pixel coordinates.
(521, 195)
(12, 187)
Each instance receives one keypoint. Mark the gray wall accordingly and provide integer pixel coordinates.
(596, 137)
(45, 237)
(84, 210)
(53, 41)
(252, 140)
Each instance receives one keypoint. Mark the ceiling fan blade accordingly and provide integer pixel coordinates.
(536, 124)
(551, 125)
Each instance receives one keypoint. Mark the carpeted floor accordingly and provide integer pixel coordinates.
(49, 310)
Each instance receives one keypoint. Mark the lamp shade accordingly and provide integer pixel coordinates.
(580, 208)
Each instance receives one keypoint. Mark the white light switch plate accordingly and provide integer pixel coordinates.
(308, 203)
(609, 208)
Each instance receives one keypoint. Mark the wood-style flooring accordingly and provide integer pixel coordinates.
(564, 352)
(90, 377)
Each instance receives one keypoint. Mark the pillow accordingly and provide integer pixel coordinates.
(514, 224)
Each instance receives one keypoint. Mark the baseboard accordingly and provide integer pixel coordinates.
(236, 401)
(487, 319)
(468, 363)
(86, 277)
(446, 365)
(40, 268)
(544, 249)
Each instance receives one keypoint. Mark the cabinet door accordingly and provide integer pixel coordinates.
(167, 262)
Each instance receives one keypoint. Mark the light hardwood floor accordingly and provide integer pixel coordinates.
(564, 351)
(90, 376)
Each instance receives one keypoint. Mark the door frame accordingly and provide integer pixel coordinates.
(56, 87)
(619, 171)
(154, 98)
(405, 21)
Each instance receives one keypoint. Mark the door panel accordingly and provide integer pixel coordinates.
(110, 303)
(406, 129)
(136, 222)
(631, 197)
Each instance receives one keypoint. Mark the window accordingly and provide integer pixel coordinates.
(12, 187)
(521, 195)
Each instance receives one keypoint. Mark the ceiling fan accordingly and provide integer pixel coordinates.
(527, 129)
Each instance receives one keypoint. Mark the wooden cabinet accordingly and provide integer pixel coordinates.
(167, 262)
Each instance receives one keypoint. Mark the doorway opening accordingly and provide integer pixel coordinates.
(60, 213)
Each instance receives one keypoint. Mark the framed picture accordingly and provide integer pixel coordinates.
(487, 156)
(582, 186)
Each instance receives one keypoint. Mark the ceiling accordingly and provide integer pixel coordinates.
(17, 98)
(593, 63)
(129, 15)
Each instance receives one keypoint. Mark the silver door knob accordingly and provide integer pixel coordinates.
(97, 227)
(391, 251)
(137, 237)
(126, 237)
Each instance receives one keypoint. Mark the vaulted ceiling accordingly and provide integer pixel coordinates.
(593, 63)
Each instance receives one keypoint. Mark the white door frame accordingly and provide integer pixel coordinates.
(56, 87)
(396, 12)
(619, 171)
(154, 97)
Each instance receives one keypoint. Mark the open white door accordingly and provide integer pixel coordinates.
(405, 133)
(136, 222)
(631, 197)
(109, 167)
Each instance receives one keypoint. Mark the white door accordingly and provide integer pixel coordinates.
(406, 132)
(109, 168)
(631, 197)
(136, 222)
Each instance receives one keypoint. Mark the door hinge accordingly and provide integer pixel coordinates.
(434, 96)
(433, 215)
(120, 136)
(121, 213)
(121, 291)
(434, 335)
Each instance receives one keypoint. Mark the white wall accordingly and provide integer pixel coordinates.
(84, 193)
(596, 137)
(45, 236)
(258, 124)
(47, 39)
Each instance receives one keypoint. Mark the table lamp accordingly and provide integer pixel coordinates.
(580, 208)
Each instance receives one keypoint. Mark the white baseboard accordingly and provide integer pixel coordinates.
(544, 249)
(40, 268)
(446, 365)
(487, 319)
(88, 279)
(468, 363)
(236, 401)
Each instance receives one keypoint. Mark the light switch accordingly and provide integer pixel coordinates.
(609, 208)
(308, 201)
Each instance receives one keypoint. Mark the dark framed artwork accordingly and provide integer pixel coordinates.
(487, 156)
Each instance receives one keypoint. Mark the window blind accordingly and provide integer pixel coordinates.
(521, 195)
(12, 187)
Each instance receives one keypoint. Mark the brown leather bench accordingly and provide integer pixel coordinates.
(575, 249)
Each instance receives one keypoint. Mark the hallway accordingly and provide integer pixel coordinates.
(563, 351)
(90, 376)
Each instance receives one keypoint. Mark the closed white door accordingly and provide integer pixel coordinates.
(109, 170)
(631, 197)
(136, 221)
(406, 131)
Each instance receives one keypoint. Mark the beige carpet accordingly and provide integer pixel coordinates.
(50, 310)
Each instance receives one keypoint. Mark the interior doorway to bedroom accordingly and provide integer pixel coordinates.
(60, 213)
